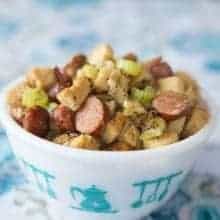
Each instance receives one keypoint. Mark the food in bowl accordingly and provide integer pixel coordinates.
(101, 102)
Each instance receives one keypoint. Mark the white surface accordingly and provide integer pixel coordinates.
(207, 163)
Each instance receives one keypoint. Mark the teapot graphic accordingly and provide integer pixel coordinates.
(92, 200)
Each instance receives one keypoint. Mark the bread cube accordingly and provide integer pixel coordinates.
(177, 125)
(14, 97)
(64, 139)
(118, 85)
(166, 139)
(85, 142)
(74, 96)
(114, 128)
(101, 53)
(41, 77)
(130, 135)
(198, 119)
(172, 83)
(101, 81)
(132, 108)
(191, 88)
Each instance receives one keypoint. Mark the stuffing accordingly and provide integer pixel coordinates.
(64, 139)
(74, 96)
(166, 139)
(114, 128)
(105, 102)
(118, 86)
(101, 53)
(132, 108)
(101, 81)
(14, 97)
(198, 119)
(171, 83)
(85, 142)
(130, 135)
(40, 77)
(177, 125)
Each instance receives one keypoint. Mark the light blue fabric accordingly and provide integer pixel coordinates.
(10, 174)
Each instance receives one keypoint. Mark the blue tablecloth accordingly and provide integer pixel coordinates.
(186, 33)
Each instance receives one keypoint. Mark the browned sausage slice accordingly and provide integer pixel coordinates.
(91, 117)
(63, 81)
(64, 118)
(130, 56)
(36, 121)
(62, 77)
(160, 69)
(171, 105)
(54, 90)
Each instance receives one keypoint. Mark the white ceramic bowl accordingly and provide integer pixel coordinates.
(96, 185)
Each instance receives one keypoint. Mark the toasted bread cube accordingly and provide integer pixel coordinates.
(18, 113)
(191, 88)
(114, 128)
(64, 139)
(118, 85)
(41, 77)
(177, 125)
(101, 81)
(109, 103)
(166, 139)
(67, 98)
(172, 83)
(14, 97)
(84, 142)
(130, 135)
(198, 119)
(132, 108)
(101, 53)
(74, 96)
(111, 106)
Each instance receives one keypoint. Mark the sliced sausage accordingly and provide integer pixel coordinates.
(36, 121)
(91, 117)
(130, 56)
(63, 81)
(76, 62)
(160, 69)
(54, 90)
(64, 118)
(171, 105)
(62, 77)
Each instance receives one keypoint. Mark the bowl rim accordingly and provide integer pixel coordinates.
(181, 146)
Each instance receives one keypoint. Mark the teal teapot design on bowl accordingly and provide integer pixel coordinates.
(92, 199)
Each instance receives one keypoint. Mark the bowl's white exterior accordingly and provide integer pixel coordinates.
(66, 175)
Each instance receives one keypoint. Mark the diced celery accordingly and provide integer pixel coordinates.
(144, 96)
(156, 127)
(52, 106)
(149, 93)
(35, 97)
(129, 67)
(90, 71)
